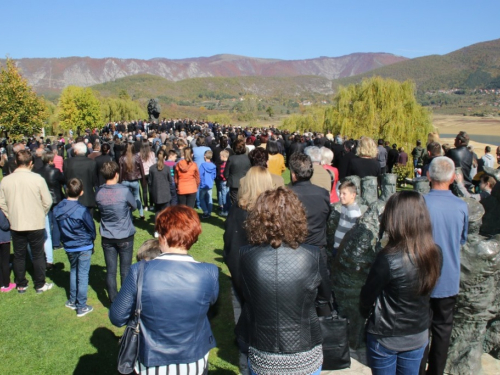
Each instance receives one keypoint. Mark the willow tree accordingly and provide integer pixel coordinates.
(311, 119)
(379, 108)
(118, 109)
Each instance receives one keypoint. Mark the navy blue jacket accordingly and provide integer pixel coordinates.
(4, 228)
(176, 294)
(76, 226)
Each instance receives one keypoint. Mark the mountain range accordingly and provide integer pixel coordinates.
(53, 74)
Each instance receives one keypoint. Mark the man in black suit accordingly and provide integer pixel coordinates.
(315, 199)
(84, 168)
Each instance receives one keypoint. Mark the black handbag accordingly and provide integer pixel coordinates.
(129, 342)
(335, 332)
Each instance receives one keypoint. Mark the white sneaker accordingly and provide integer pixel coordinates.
(44, 288)
(156, 234)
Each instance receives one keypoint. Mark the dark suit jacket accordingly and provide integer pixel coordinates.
(80, 166)
(100, 160)
(316, 201)
(237, 167)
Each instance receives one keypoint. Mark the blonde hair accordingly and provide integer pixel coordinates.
(433, 137)
(326, 156)
(257, 180)
(367, 148)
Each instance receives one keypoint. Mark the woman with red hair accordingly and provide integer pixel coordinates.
(177, 292)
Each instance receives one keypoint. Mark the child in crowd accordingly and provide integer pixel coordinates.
(77, 234)
(223, 191)
(150, 249)
(486, 184)
(349, 213)
(207, 178)
(6, 285)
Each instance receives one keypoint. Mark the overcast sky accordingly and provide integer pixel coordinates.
(272, 29)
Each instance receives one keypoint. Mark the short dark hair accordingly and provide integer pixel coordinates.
(434, 148)
(419, 142)
(48, 157)
(380, 142)
(272, 147)
(109, 170)
(301, 166)
(23, 158)
(463, 137)
(258, 157)
(487, 149)
(105, 148)
(74, 187)
(239, 147)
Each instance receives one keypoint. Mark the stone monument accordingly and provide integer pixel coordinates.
(153, 110)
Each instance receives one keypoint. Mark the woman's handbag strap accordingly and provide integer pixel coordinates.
(140, 277)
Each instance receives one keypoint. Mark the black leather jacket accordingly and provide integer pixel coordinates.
(463, 159)
(389, 294)
(280, 287)
(55, 180)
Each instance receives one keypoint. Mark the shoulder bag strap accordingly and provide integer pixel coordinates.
(332, 177)
(140, 277)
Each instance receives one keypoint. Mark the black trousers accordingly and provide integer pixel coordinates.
(20, 240)
(441, 325)
(4, 264)
(233, 195)
(187, 199)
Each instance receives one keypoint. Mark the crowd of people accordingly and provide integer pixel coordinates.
(275, 242)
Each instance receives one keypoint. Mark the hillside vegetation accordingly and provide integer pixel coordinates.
(473, 67)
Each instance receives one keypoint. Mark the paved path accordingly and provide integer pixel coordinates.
(491, 366)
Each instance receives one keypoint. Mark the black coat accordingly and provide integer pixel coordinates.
(389, 292)
(160, 184)
(280, 287)
(316, 201)
(463, 159)
(55, 181)
(363, 167)
(235, 236)
(84, 168)
(237, 167)
(99, 161)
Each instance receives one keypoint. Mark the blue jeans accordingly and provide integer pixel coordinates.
(111, 252)
(134, 188)
(56, 235)
(79, 277)
(49, 251)
(223, 196)
(384, 361)
(317, 372)
(206, 200)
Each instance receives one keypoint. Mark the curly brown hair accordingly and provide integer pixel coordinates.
(277, 217)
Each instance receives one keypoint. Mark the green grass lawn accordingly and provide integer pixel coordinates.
(41, 336)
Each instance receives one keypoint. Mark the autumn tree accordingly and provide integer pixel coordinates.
(22, 112)
(376, 107)
(78, 109)
(118, 109)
